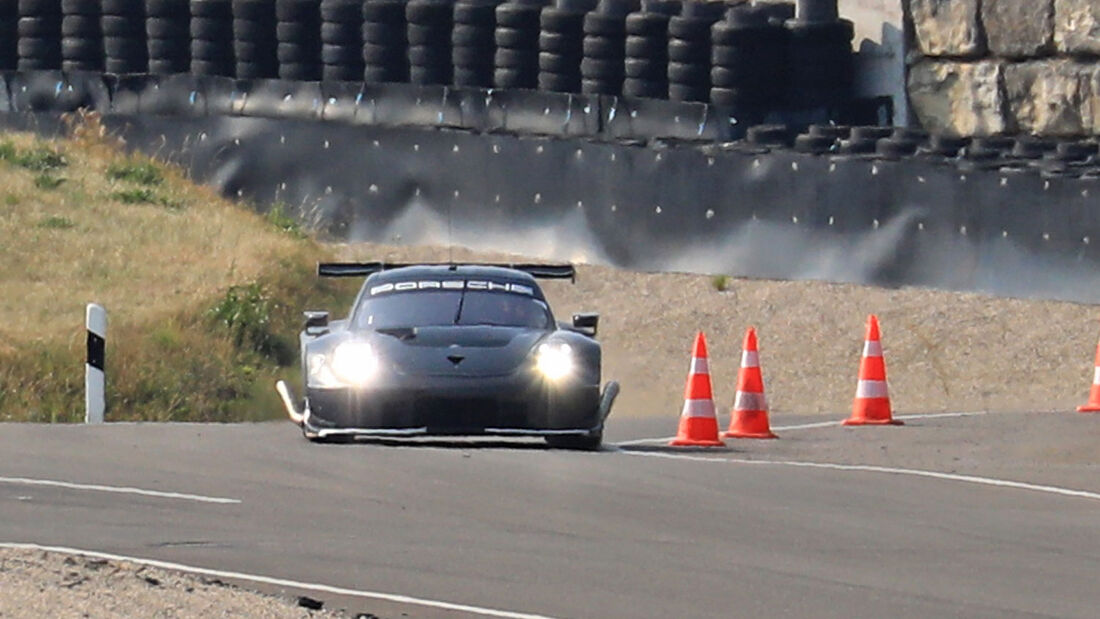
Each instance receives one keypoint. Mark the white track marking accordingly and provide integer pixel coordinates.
(282, 582)
(116, 489)
(863, 468)
(811, 426)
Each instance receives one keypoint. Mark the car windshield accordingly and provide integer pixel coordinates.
(452, 307)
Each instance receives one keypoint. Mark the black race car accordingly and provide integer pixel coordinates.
(447, 349)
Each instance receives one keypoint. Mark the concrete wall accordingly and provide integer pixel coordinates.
(982, 67)
(880, 52)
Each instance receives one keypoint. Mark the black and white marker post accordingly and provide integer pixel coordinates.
(95, 389)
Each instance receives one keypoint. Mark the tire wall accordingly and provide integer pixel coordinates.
(770, 64)
(563, 176)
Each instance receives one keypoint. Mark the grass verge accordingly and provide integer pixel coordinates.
(204, 297)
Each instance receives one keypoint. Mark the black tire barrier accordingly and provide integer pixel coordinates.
(857, 146)
(516, 61)
(385, 56)
(428, 32)
(341, 40)
(645, 50)
(298, 32)
(39, 35)
(871, 133)
(821, 69)
(604, 47)
(561, 47)
(125, 48)
(125, 7)
(689, 51)
(814, 144)
(211, 45)
(1031, 148)
(890, 148)
(749, 60)
(835, 132)
(9, 36)
(634, 87)
(254, 41)
(472, 43)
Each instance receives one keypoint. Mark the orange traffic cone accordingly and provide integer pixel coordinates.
(872, 403)
(1093, 405)
(698, 422)
(750, 409)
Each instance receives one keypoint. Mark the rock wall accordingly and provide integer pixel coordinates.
(983, 67)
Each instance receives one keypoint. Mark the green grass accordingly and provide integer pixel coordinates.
(721, 283)
(204, 302)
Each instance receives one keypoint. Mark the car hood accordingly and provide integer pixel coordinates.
(457, 350)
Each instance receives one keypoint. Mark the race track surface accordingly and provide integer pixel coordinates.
(623, 533)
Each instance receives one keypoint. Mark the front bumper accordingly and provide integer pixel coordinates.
(512, 405)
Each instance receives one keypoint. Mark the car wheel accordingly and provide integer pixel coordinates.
(588, 442)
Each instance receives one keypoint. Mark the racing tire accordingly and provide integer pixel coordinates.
(377, 33)
(120, 66)
(341, 54)
(601, 69)
(127, 7)
(79, 26)
(384, 11)
(122, 26)
(649, 25)
(556, 20)
(39, 7)
(385, 74)
(341, 73)
(212, 29)
(419, 34)
(601, 24)
(430, 75)
(382, 54)
(590, 86)
(211, 67)
(429, 14)
(167, 66)
(510, 77)
(38, 27)
(506, 58)
(171, 9)
(424, 56)
(559, 82)
(480, 15)
(124, 48)
(514, 38)
(688, 92)
(341, 11)
(689, 28)
(168, 49)
(609, 48)
(683, 51)
(471, 36)
(589, 442)
(80, 7)
(518, 16)
(298, 10)
(302, 72)
(473, 77)
(556, 63)
(293, 53)
(472, 56)
(167, 28)
(37, 64)
(335, 33)
(645, 47)
(44, 48)
(633, 87)
(644, 68)
(559, 43)
(80, 48)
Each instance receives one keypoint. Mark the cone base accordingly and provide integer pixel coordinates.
(1089, 408)
(872, 422)
(690, 442)
(734, 434)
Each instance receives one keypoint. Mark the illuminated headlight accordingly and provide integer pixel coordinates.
(554, 361)
(351, 364)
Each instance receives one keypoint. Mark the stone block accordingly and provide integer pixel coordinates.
(1019, 28)
(959, 98)
(1050, 97)
(950, 28)
(1077, 27)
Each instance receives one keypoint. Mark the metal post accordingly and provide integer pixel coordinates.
(95, 387)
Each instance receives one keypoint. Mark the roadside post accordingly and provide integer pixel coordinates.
(95, 388)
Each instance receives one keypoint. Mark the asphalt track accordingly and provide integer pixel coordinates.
(512, 526)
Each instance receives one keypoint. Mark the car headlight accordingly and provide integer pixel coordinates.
(351, 364)
(554, 361)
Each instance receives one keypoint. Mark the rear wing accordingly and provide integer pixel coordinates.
(363, 269)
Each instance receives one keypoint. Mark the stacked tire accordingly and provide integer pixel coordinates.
(341, 40)
(602, 69)
(123, 26)
(428, 30)
(168, 36)
(39, 30)
(81, 36)
(298, 32)
(516, 61)
(561, 45)
(212, 38)
(646, 48)
(384, 42)
(821, 62)
(689, 51)
(9, 35)
(472, 44)
(748, 70)
(254, 47)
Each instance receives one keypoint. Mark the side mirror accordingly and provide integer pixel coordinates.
(586, 323)
(316, 323)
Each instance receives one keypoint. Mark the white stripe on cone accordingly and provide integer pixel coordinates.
(699, 366)
(699, 408)
(749, 401)
(872, 348)
(1096, 375)
(750, 359)
(871, 389)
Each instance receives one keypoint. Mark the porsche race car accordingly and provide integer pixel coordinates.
(449, 349)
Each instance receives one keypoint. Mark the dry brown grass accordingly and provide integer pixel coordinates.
(82, 221)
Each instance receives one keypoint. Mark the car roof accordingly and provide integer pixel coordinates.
(457, 271)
